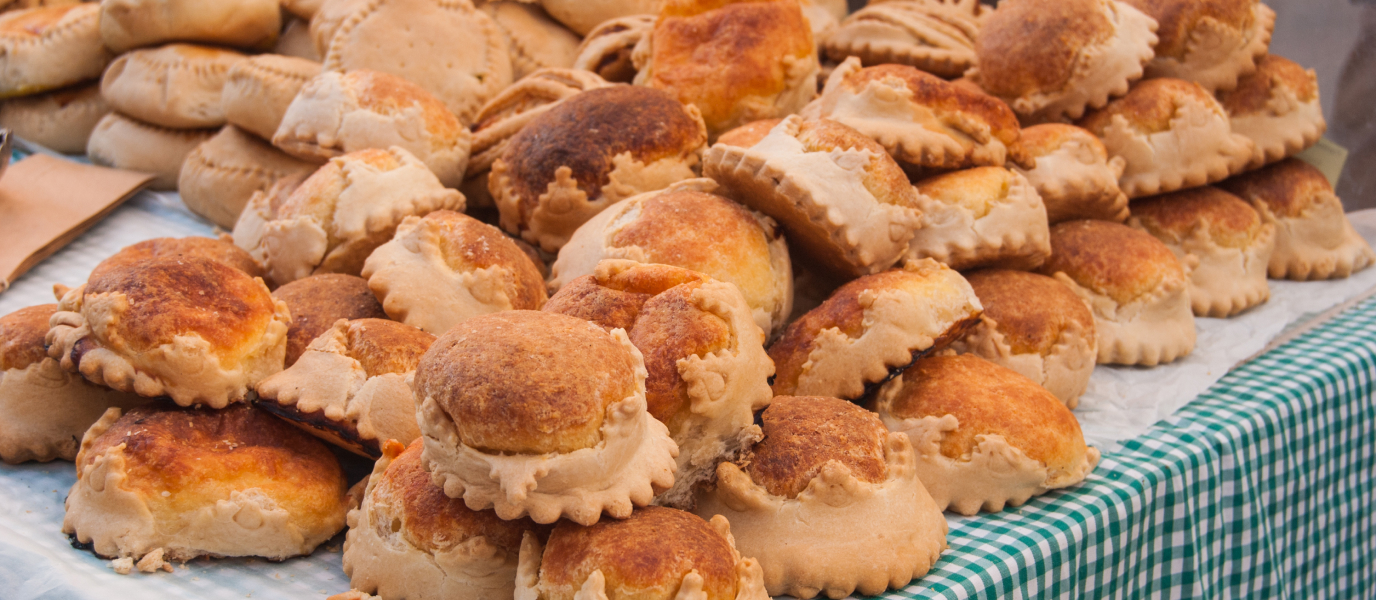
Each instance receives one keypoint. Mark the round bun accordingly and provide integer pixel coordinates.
(316, 302)
(804, 433)
(981, 217)
(220, 176)
(124, 143)
(47, 48)
(189, 483)
(176, 86)
(1277, 107)
(1211, 42)
(1074, 174)
(61, 120)
(608, 49)
(217, 249)
(258, 91)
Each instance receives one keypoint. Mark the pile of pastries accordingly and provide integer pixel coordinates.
(635, 298)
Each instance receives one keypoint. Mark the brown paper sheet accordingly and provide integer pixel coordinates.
(47, 202)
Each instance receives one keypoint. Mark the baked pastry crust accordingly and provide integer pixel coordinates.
(219, 176)
(1053, 59)
(872, 328)
(61, 120)
(302, 9)
(1137, 289)
(447, 267)
(1277, 107)
(316, 302)
(1212, 42)
(591, 151)
(845, 203)
(1035, 326)
(124, 143)
(985, 436)
(327, 20)
(749, 134)
(599, 453)
(44, 49)
(177, 86)
(183, 483)
(220, 250)
(608, 49)
(981, 217)
(1314, 239)
(258, 91)
(534, 40)
(1222, 238)
(337, 217)
(1172, 134)
(476, 66)
(933, 35)
(296, 41)
(840, 527)
(687, 226)
(707, 371)
(1075, 176)
(128, 24)
(582, 16)
(338, 113)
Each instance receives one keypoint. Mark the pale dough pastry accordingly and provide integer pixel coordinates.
(220, 176)
(1075, 176)
(250, 24)
(124, 143)
(177, 86)
(258, 91)
(1211, 42)
(981, 217)
(935, 36)
(61, 121)
(1277, 107)
(44, 49)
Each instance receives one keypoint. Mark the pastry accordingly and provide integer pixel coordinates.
(687, 226)
(1074, 174)
(1052, 59)
(338, 113)
(302, 9)
(749, 134)
(935, 36)
(1277, 107)
(829, 502)
(338, 216)
(438, 548)
(177, 86)
(44, 49)
(15, 5)
(981, 217)
(607, 50)
(985, 436)
(534, 40)
(1136, 287)
(296, 41)
(60, 120)
(1172, 134)
(220, 250)
(1210, 42)
(845, 203)
(219, 176)
(582, 16)
(1314, 239)
(588, 152)
(475, 66)
(349, 386)
(655, 554)
(535, 413)
(250, 24)
(871, 329)
(181, 326)
(1036, 326)
(124, 143)
(43, 409)
(823, 16)
(447, 267)
(736, 62)
(707, 371)
(178, 483)
(925, 122)
(258, 91)
(1222, 238)
(327, 19)
(316, 302)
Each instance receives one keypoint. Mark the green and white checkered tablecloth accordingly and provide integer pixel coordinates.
(1263, 487)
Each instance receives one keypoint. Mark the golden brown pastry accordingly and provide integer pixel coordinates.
(925, 122)
(44, 49)
(591, 151)
(1210, 42)
(43, 409)
(608, 49)
(316, 302)
(845, 203)
(1222, 238)
(933, 35)
(536, 413)
(655, 553)
(749, 134)
(534, 40)
(582, 16)
(1074, 174)
(349, 386)
(177, 483)
(408, 540)
(338, 113)
(176, 86)
(707, 371)
(736, 62)
(14, 5)
(1314, 239)
(985, 436)
(338, 216)
(447, 267)
(981, 217)
(1137, 289)
(61, 120)
(449, 48)
(829, 502)
(871, 328)
(128, 24)
(1277, 107)
(687, 226)
(1172, 134)
(302, 9)
(1036, 326)
(219, 176)
(182, 326)
(124, 143)
(220, 250)
(258, 91)
(296, 41)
